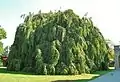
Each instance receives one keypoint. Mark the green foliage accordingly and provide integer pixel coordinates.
(2, 33)
(6, 51)
(2, 36)
(1, 48)
(111, 53)
(58, 43)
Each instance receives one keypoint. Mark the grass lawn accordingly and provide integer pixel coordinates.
(8, 76)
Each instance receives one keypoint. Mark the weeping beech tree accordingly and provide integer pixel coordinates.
(58, 43)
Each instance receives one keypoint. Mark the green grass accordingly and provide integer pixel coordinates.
(11, 76)
(97, 73)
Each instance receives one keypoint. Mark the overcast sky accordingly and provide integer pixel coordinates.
(105, 14)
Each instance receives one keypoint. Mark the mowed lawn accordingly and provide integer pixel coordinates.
(8, 76)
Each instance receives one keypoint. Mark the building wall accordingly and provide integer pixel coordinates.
(117, 54)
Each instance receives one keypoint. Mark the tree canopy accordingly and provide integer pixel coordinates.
(58, 43)
(6, 51)
(2, 36)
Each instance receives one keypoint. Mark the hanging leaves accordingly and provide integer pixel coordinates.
(58, 43)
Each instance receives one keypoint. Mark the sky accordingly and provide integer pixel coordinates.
(105, 14)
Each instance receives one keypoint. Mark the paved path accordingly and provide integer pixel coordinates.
(109, 77)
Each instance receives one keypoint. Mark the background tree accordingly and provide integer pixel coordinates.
(111, 49)
(6, 51)
(111, 54)
(2, 36)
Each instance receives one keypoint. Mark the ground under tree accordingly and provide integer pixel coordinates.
(58, 43)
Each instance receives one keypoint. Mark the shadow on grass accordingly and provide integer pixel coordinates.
(86, 80)
(79, 80)
(5, 71)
